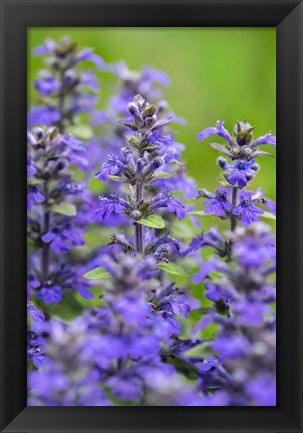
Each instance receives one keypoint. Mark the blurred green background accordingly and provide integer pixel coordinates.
(217, 73)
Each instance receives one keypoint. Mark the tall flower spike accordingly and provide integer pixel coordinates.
(65, 89)
(238, 280)
(138, 166)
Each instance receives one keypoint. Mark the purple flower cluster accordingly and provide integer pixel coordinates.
(113, 136)
(231, 201)
(243, 297)
(140, 165)
(238, 280)
(59, 207)
(122, 345)
(65, 89)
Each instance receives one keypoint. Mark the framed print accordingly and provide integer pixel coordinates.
(156, 300)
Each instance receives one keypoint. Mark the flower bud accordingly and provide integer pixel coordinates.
(141, 162)
(149, 111)
(136, 215)
(139, 101)
(126, 152)
(243, 133)
(244, 138)
(156, 163)
(236, 152)
(149, 121)
(133, 140)
(221, 162)
(53, 132)
(246, 152)
(38, 132)
(134, 111)
(70, 77)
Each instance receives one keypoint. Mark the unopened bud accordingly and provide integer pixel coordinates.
(134, 111)
(149, 111)
(246, 152)
(133, 140)
(136, 215)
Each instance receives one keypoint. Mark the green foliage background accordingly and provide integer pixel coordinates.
(217, 73)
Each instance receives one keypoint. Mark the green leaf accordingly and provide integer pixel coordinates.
(115, 178)
(68, 209)
(83, 132)
(200, 213)
(269, 216)
(97, 274)
(161, 175)
(173, 269)
(154, 221)
(199, 351)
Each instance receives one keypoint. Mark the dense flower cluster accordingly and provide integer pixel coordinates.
(111, 321)
(59, 206)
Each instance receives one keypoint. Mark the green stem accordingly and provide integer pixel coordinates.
(233, 222)
(45, 247)
(233, 219)
(61, 104)
(45, 255)
(139, 228)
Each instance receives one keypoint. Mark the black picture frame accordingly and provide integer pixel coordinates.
(16, 17)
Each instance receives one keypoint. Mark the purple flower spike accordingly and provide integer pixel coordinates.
(218, 130)
(248, 212)
(218, 205)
